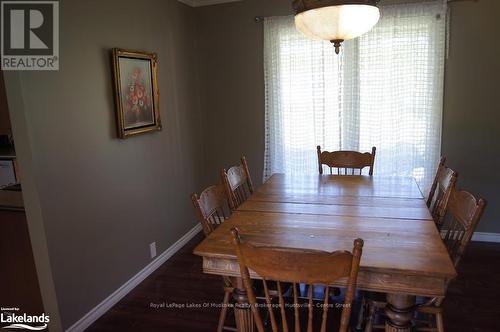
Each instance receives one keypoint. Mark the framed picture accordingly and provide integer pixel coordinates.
(136, 92)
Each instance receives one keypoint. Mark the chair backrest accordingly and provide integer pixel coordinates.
(212, 207)
(238, 183)
(288, 265)
(443, 184)
(346, 162)
(463, 214)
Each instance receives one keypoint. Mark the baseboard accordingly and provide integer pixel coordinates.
(117, 295)
(486, 237)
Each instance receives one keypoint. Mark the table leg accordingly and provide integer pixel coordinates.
(400, 310)
(242, 313)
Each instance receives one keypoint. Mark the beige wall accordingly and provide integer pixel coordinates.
(232, 81)
(103, 200)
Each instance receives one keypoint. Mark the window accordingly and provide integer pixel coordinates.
(385, 89)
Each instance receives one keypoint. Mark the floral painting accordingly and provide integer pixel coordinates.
(136, 92)
(137, 96)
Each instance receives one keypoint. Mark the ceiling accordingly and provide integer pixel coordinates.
(200, 3)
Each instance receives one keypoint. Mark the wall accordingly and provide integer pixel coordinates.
(4, 109)
(31, 199)
(103, 200)
(232, 80)
(231, 74)
(471, 124)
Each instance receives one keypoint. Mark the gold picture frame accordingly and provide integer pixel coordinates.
(135, 76)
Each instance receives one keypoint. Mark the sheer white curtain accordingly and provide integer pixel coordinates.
(385, 89)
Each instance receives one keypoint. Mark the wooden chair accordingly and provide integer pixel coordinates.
(463, 214)
(212, 209)
(346, 162)
(288, 265)
(238, 183)
(444, 181)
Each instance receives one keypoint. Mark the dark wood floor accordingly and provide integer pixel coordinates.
(472, 303)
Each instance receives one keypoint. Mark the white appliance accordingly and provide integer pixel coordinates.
(7, 173)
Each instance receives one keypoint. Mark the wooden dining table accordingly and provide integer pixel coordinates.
(403, 255)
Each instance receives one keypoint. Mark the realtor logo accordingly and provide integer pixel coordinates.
(18, 321)
(30, 35)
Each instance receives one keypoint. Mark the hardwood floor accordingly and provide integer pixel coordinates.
(472, 303)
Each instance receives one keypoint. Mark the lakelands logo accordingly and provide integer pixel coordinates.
(22, 321)
(30, 35)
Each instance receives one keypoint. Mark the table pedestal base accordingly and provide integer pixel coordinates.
(400, 310)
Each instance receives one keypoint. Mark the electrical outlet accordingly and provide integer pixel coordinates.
(152, 249)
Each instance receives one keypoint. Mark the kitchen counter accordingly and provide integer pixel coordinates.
(7, 153)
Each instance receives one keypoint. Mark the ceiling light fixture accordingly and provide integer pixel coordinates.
(335, 20)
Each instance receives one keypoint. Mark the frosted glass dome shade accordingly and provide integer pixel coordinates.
(337, 23)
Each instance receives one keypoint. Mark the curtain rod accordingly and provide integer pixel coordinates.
(259, 19)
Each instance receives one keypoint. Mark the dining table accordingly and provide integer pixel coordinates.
(403, 254)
